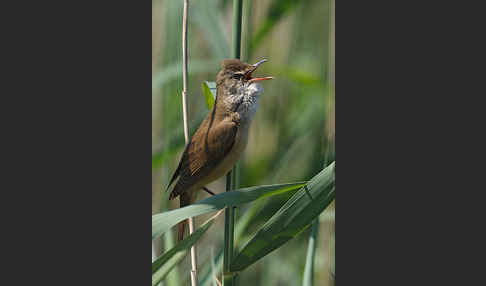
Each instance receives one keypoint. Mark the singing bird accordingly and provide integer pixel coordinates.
(221, 138)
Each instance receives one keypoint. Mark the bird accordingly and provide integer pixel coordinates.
(221, 138)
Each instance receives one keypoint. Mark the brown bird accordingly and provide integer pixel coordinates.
(221, 138)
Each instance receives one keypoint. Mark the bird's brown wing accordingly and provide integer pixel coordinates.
(204, 153)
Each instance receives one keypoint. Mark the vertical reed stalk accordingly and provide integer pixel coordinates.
(237, 16)
(186, 128)
(311, 253)
(228, 276)
(246, 30)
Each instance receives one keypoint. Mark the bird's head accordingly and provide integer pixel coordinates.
(236, 84)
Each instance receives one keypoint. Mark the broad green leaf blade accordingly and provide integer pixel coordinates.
(168, 266)
(293, 218)
(164, 221)
(240, 227)
(311, 253)
(209, 91)
(178, 252)
(260, 210)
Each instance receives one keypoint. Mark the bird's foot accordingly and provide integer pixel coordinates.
(208, 191)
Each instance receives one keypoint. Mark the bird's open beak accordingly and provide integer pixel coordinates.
(255, 66)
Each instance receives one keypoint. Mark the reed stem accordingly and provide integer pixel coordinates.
(186, 127)
(228, 238)
(231, 183)
(311, 253)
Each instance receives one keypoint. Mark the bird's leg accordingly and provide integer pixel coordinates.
(208, 191)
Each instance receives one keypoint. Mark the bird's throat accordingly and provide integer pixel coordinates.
(245, 100)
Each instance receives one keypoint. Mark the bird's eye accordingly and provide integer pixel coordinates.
(237, 75)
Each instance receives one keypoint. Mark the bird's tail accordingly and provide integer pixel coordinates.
(185, 200)
(181, 227)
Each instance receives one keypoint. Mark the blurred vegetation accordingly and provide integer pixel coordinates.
(292, 135)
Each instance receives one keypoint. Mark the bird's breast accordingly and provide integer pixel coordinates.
(234, 155)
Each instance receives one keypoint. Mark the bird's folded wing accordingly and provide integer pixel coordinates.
(206, 150)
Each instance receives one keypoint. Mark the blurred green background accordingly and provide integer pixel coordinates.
(292, 135)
